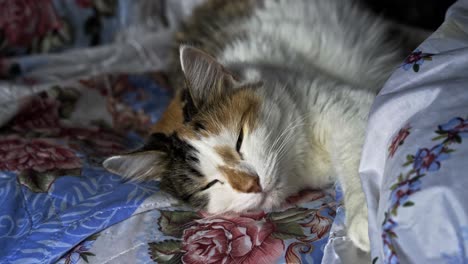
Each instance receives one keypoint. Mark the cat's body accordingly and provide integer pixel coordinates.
(282, 106)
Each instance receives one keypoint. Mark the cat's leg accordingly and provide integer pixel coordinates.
(354, 199)
(347, 165)
(346, 139)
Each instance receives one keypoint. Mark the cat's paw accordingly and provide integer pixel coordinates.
(358, 232)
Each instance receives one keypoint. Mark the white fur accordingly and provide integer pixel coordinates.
(322, 63)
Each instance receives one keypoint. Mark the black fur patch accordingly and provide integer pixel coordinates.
(197, 126)
(195, 172)
(181, 179)
(158, 141)
(176, 148)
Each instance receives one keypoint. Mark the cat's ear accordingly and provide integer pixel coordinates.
(138, 166)
(206, 78)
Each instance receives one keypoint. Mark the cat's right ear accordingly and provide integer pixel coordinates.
(138, 166)
(206, 78)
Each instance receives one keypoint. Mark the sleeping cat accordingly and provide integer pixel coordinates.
(273, 98)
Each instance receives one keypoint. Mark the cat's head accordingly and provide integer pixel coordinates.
(221, 145)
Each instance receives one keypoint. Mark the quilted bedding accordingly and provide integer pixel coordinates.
(61, 205)
(65, 106)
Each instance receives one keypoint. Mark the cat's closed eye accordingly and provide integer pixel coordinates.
(209, 185)
(239, 140)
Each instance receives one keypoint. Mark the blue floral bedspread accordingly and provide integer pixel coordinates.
(54, 191)
(66, 107)
(81, 80)
(60, 205)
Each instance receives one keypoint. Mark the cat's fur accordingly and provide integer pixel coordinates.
(280, 105)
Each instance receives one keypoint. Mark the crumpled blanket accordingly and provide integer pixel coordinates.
(65, 106)
(414, 161)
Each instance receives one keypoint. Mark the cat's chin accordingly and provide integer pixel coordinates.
(273, 200)
(248, 203)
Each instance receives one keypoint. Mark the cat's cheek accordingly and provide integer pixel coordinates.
(224, 200)
(220, 200)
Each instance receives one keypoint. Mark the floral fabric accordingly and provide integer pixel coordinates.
(39, 26)
(54, 191)
(296, 234)
(413, 170)
(49, 158)
(63, 112)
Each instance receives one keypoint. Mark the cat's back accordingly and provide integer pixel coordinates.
(334, 37)
(211, 27)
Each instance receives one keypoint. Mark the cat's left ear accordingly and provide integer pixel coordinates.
(206, 78)
(138, 166)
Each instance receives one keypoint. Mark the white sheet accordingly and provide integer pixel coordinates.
(419, 126)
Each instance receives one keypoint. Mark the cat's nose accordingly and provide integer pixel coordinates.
(241, 180)
(253, 185)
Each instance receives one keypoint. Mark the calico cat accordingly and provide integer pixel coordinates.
(273, 98)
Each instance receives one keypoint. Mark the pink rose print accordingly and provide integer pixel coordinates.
(255, 237)
(17, 154)
(93, 141)
(23, 20)
(399, 139)
(38, 114)
(232, 238)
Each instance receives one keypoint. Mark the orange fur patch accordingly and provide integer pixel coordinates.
(241, 181)
(233, 112)
(172, 118)
(228, 154)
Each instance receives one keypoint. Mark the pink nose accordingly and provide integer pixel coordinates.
(242, 181)
(253, 185)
